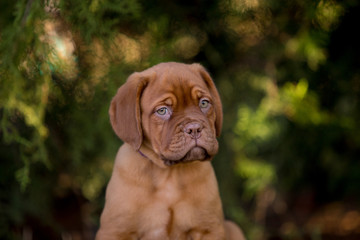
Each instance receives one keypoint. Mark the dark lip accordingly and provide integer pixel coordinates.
(170, 163)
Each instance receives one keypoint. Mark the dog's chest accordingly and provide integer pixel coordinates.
(168, 191)
(161, 216)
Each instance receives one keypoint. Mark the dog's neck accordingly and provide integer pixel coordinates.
(149, 154)
(142, 154)
(131, 164)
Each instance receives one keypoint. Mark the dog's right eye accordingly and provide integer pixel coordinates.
(162, 111)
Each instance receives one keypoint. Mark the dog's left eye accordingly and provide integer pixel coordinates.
(204, 103)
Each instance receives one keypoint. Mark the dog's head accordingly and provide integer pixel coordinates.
(173, 109)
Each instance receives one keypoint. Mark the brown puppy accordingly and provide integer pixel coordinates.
(163, 186)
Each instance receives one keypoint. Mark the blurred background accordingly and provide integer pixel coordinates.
(288, 73)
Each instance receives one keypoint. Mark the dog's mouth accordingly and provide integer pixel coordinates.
(195, 154)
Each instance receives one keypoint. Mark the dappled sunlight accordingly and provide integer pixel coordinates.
(129, 49)
(187, 46)
(33, 116)
(306, 48)
(254, 126)
(240, 5)
(335, 218)
(300, 105)
(251, 31)
(293, 101)
(328, 14)
(257, 174)
(61, 57)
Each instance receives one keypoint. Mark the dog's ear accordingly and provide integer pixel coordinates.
(214, 93)
(125, 112)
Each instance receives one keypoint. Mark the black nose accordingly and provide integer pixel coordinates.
(193, 129)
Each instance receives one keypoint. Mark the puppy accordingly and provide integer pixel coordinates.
(163, 186)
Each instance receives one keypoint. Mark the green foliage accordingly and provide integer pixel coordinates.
(25, 91)
(258, 175)
(98, 18)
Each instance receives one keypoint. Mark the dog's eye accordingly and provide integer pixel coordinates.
(162, 111)
(204, 103)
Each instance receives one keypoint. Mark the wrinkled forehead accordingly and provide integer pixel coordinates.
(178, 86)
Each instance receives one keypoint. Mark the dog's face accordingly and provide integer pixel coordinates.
(173, 109)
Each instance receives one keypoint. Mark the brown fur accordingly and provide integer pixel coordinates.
(163, 185)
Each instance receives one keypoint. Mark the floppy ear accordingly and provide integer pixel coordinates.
(214, 93)
(125, 113)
